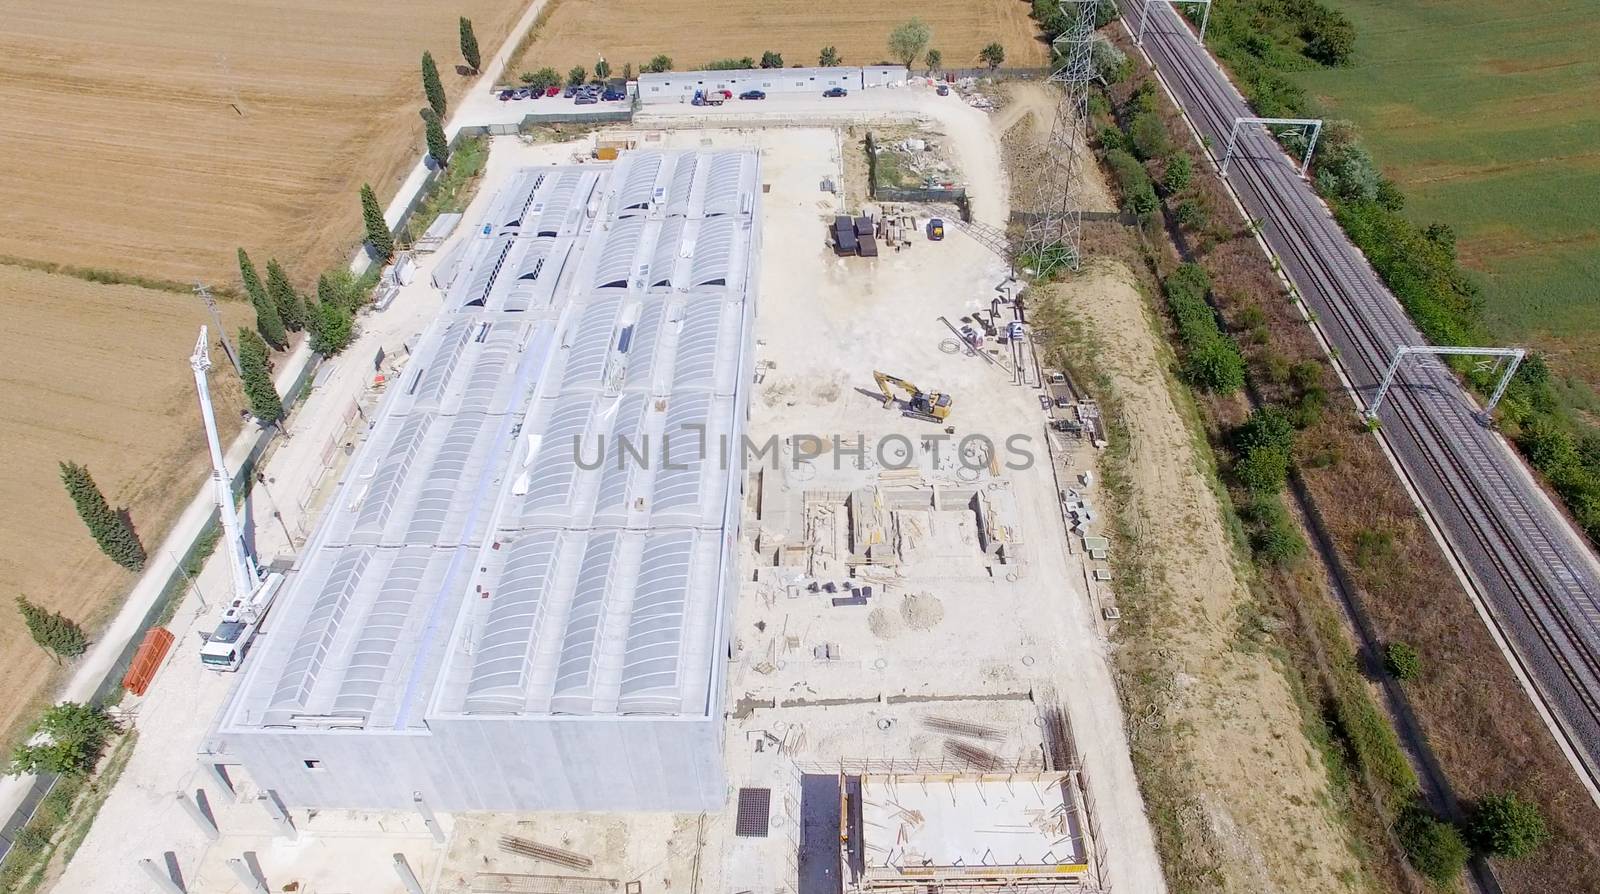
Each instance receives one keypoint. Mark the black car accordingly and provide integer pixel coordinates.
(752, 94)
(571, 91)
(507, 94)
(613, 94)
(836, 91)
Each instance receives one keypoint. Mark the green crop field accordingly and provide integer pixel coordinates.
(1487, 114)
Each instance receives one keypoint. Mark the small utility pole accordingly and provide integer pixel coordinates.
(204, 292)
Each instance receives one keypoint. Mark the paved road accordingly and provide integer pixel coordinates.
(1539, 580)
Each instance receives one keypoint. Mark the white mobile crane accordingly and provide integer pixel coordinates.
(225, 648)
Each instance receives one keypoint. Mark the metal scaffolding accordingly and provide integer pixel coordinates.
(1054, 236)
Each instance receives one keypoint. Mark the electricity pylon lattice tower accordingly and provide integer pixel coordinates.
(1055, 232)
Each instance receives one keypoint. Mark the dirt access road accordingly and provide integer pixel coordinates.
(1217, 731)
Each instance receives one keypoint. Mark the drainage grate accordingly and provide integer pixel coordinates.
(754, 805)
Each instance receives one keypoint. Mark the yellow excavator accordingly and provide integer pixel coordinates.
(930, 405)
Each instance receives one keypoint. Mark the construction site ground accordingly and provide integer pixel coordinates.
(1214, 720)
(950, 634)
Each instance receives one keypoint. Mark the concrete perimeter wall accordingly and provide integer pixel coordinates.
(680, 86)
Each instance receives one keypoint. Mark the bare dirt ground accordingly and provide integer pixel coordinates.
(107, 385)
(694, 33)
(1221, 733)
(156, 137)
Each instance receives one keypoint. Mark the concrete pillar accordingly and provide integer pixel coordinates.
(407, 877)
(241, 871)
(428, 818)
(192, 807)
(280, 814)
(218, 777)
(158, 875)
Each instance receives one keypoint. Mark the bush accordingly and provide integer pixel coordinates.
(1137, 191)
(1191, 215)
(1330, 37)
(1148, 136)
(543, 79)
(31, 840)
(730, 64)
(1263, 446)
(1109, 63)
(1211, 359)
(1179, 172)
(1274, 539)
(1402, 661)
(662, 62)
(1433, 846)
(1506, 826)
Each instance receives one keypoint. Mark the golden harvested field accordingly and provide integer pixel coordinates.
(155, 137)
(97, 374)
(694, 32)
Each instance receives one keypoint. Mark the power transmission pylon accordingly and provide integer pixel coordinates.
(1055, 233)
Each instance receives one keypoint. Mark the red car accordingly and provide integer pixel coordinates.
(552, 91)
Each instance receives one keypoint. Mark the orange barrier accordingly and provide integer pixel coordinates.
(145, 661)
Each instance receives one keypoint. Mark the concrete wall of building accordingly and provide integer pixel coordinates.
(680, 86)
(509, 763)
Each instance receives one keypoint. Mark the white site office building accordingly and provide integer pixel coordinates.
(492, 613)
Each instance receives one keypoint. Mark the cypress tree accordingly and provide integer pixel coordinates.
(469, 45)
(431, 85)
(269, 323)
(291, 309)
(53, 631)
(247, 274)
(109, 529)
(265, 404)
(438, 146)
(379, 235)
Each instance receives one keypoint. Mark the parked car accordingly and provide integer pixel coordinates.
(752, 94)
(585, 99)
(613, 94)
(944, 90)
(523, 93)
(836, 91)
(552, 91)
(570, 92)
(506, 95)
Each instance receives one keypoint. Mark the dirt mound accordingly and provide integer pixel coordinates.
(921, 611)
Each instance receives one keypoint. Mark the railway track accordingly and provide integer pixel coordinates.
(1541, 588)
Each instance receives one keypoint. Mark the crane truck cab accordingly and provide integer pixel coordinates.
(225, 648)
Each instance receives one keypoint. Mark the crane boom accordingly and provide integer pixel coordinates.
(246, 575)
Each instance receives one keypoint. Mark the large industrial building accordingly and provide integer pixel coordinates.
(520, 597)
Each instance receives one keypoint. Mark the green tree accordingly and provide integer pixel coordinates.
(291, 308)
(1506, 826)
(53, 631)
(543, 79)
(268, 323)
(627, 71)
(438, 146)
(73, 738)
(1330, 37)
(109, 528)
(332, 328)
(829, 57)
(1149, 136)
(993, 55)
(662, 62)
(431, 85)
(602, 69)
(1433, 846)
(907, 41)
(469, 45)
(248, 275)
(577, 76)
(265, 404)
(1179, 172)
(934, 60)
(1402, 661)
(769, 59)
(379, 236)
(331, 292)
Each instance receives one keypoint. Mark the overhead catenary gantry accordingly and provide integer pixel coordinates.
(1403, 351)
(1144, 16)
(1313, 124)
